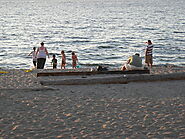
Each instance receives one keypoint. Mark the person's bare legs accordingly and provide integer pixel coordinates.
(123, 68)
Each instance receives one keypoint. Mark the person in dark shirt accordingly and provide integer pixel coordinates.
(54, 62)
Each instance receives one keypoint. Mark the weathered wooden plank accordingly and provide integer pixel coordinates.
(91, 73)
(117, 80)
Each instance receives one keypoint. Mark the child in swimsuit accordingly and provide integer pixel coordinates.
(74, 60)
(63, 64)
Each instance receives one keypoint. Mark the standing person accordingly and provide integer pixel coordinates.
(63, 64)
(54, 62)
(74, 60)
(34, 57)
(149, 54)
(41, 56)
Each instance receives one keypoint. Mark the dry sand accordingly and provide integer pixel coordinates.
(133, 111)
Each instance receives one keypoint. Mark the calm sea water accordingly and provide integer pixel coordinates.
(99, 31)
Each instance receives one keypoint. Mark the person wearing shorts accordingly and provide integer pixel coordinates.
(149, 54)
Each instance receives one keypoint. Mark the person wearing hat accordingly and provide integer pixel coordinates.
(149, 54)
(41, 56)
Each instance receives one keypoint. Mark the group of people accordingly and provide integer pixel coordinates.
(39, 58)
(135, 62)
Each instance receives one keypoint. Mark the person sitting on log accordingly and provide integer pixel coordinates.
(133, 63)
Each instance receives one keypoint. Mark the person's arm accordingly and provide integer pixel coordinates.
(30, 53)
(128, 61)
(65, 58)
(47, 52)
(76, 59)
(146, 51)
(37, 51)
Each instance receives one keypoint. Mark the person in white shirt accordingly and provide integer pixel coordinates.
(41, 56)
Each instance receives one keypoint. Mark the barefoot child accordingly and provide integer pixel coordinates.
(74, 60)
(34, 57)
(54, 62)
(63, 64)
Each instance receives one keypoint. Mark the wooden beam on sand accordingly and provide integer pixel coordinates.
(70, 73)
(117, 80)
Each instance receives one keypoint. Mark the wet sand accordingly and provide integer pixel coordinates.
(133, 111)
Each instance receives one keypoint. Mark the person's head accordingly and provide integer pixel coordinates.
(34, 48)
(73, 53)
(42, 43)
(62, 52)
(149, 42)
(54, 56)
(137, 54)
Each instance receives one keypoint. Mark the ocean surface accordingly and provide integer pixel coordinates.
(102, 32)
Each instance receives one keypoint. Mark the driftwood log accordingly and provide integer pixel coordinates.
(91, 73)
(122, 79)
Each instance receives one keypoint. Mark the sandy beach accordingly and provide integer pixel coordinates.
(136, 110)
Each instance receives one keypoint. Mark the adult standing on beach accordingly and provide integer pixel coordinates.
(41, 56)
(149, 54)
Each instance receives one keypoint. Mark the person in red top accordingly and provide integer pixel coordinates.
(74, 60)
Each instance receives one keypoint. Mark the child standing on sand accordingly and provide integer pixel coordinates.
(54, 62)
(63, 64)
(34, 57)
(74, 60)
